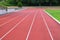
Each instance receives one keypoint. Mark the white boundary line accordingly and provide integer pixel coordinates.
(47, 27)
(31, 26)
(14, 27)
(52, 17)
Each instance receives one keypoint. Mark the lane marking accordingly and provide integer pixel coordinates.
(31, 26)
(14, 27)
(47, 27)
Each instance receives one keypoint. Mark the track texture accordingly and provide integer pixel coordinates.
(29, 24)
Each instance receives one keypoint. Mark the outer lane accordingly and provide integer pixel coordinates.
(53, 25)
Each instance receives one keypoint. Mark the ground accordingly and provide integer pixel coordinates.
(29, 24)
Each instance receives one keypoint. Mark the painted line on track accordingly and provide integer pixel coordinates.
(52, 17)
(31, 26)
(47, 27)
(14, 27)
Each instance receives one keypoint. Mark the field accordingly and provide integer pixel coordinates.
(55, 14)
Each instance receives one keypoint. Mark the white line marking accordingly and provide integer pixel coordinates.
(47, 27)
(31, 26)
(8, 21)
(14, 27)
(52, 16)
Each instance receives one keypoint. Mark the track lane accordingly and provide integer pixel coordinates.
(4, 28)
(12, 15)
(53, 25)
(21, 29)
(39, 30)
(31, 26)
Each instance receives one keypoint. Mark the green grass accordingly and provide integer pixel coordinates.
(55, 14)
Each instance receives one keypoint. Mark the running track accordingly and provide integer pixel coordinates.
(29, 24)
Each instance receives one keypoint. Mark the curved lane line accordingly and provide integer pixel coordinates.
(31, 26)
(47, 27)
(14, 27)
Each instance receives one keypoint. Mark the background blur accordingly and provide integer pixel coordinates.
(30, 2)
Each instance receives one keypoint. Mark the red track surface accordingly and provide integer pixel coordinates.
(29, 24)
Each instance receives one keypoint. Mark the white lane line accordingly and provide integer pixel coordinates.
(31, 26)
(14, 27)
(47, 27)
(8, 21)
